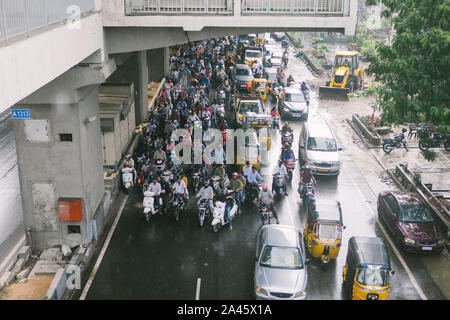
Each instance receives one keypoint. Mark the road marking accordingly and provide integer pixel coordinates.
(388, 238)
(102, 253)
(197, 291)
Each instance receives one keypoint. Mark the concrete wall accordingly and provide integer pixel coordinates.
(53, 169)
(114, 16)
(158, 63)
(28, 64)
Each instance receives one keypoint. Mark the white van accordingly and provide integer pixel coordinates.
(318, 147)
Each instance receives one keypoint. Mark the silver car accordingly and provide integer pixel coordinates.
(241, 76)
(280, 263)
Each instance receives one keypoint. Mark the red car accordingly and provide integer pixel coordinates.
(410, 220)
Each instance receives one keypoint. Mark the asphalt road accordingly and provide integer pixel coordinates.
(164, 259)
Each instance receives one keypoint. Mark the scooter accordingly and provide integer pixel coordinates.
(308, 194)
(149, 204)
(219, 217)
(290, 166)
(287, 138)
(252, 191)
(279, 185)
(215, 184)
(127, 179)
(160, 165)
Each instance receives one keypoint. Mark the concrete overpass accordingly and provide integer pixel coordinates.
(54, 54)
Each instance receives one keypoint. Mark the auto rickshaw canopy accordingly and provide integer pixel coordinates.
(365, 251)
(327, 212)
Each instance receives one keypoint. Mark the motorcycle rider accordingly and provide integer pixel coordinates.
(129, 163)
(246, 169)
(304, 87)
(179, 187)
(266, 197)
(155, 187)
(280, 169)
(290, 80)
(159, 154)
(237, 186)
(253, 178)
(306, 176)
(206, 192)
(220, 171)
(287, 153)
(286, 128)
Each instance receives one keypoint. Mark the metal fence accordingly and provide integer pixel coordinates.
(137, 7)
(294, 6)
(18, 17)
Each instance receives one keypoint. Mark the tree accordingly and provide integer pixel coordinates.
(415, 69)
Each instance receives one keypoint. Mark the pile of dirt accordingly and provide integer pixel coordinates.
(34, 288)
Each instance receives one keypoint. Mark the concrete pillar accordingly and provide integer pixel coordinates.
(158, 63)
(135, 70)
(59, 156)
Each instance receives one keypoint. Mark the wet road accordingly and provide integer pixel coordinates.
(168, 260)
(11, 215)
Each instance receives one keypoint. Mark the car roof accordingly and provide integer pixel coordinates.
(270, 70)
(404, 197)
(282, 235)
(318, 127)
(292, 90)
(242, 66)
(369, 250)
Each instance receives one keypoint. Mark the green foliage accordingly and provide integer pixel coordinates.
(415, 70)
(417, 178)
(429, 155)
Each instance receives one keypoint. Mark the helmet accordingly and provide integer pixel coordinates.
(264, 187)
(235, 174)
(128, 156)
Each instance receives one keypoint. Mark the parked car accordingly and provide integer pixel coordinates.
(293, 105)
(318, 146)
(410, 220)
(280, 263)
(242, 74)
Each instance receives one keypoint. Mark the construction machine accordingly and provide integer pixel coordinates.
(347, 76)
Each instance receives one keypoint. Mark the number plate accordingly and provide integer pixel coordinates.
(323, 170)
(427, 248)
(296, 115)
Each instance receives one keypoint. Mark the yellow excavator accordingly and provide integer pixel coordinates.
(348, 76)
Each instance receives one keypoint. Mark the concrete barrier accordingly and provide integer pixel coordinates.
(374, 139)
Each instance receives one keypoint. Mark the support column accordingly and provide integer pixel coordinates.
(59, 156)
(158, 63)
(135, 70)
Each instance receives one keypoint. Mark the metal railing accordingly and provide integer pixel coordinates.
(19, 17)
(294, 6)
(144, 7)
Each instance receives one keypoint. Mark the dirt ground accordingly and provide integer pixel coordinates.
(34, 289)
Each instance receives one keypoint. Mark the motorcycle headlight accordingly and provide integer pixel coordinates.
(300, 294)
(408, 240)
(261, 291)
(441, 242)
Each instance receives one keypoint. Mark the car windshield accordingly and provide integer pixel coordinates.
(281, 257)
(250, 107)
(294, 97)
(373, 276)
(327, 231)
(322, 144)
(242, 72)
(415, 214)
(252, 54)
(261, 85)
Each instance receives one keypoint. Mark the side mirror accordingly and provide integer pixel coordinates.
(392, 272)
(307, 261)
(340, 149)
(300, 146)
(344, 227)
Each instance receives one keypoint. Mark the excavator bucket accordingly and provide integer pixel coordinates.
(333, 93)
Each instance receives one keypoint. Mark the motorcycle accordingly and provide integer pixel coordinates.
(127, 179)
(220, 218)
(266, 213)
(215, 184)
(290, 167)
(308, 194)
(178, 204)
(196, 177)
(221, 95)
(149, 204)
(160, 166)
(203, 211)
(287, 138)
(252, 191)
(397, 142)
(290, 82)
(279, 185)
(436, 141)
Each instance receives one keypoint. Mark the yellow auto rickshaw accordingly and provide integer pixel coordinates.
(367, 271)
(247, 151)
(259, 87)
(323, 231)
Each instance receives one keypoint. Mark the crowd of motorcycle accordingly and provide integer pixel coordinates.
(185, 102)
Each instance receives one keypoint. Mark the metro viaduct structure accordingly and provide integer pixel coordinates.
(54, 55)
